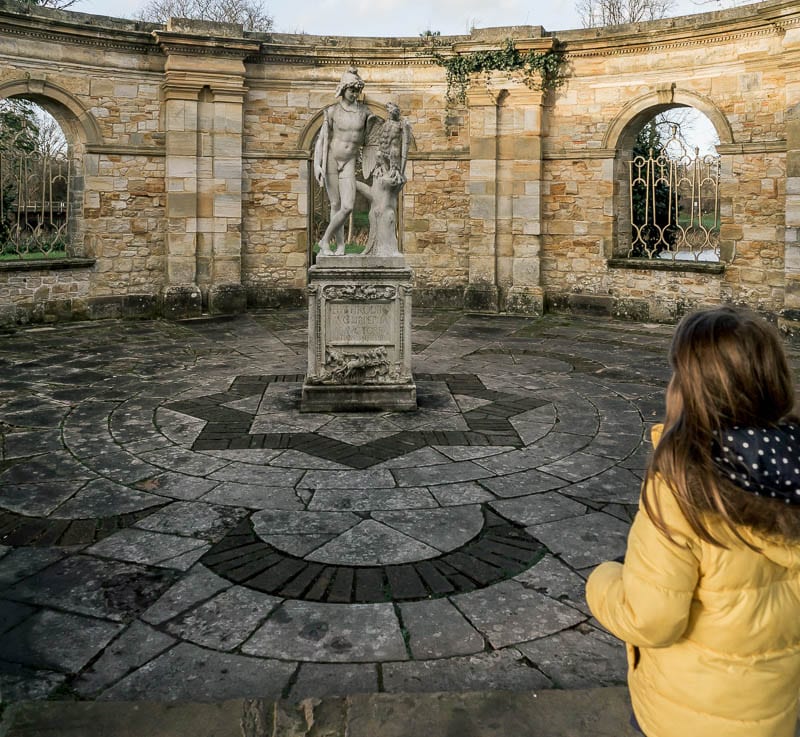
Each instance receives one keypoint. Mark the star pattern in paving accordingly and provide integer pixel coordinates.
(230, 428)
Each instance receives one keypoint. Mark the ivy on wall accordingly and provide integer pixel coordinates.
(540, 70)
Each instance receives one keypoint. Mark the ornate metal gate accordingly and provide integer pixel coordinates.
(674, 203)
(34, 202)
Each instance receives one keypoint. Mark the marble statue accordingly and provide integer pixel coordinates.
(342, 136)
(349, 128)
(384, 158)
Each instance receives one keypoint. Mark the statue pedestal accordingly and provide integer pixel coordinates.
(359, 335)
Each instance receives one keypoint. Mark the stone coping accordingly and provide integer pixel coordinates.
(357, 261)
(47, 264)
(652, 264)
(545, 713)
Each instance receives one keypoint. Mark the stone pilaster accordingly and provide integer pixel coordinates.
(520, 187)
(481, 293)
(203, 95)
(791, 65)
(505, 195)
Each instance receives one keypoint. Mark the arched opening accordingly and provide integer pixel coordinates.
(667, 178)
(45, 132)
(36, 181)
(673, 186)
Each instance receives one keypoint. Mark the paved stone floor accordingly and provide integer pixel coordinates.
(173, 528)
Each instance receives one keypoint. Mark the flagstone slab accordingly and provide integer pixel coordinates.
(307, 631)
(499, 670)
(131, 649)
(83, 584)
(370, 543)
(56, 640)
(187, 672)
(508, 613)
(579, 658)
(584, 541)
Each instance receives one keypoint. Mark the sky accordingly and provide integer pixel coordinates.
(405, 17)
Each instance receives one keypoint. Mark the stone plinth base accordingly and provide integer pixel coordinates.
(359, 335)
(362, 398)
(525, 301)
(227, 299)
(481, 298)
(181, 301)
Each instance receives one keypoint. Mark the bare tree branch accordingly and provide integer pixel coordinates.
(594, 13)
(252, 14)
(55, 4)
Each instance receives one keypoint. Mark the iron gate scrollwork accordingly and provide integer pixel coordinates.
(674, 203)
(35, 196)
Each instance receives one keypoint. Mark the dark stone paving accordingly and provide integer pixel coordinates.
(500, 550)
(172, 527)
(231, 429)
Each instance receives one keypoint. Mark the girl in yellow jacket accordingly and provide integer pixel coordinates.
(708, 599)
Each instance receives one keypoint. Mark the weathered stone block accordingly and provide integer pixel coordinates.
(479, 298)
(227, 299)
(524, 301)
(359, 328)
(179, 302)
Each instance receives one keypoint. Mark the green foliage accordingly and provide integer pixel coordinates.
(541, 70)
(19, 131)
(349, 248)
(34, 247)
(654, 208)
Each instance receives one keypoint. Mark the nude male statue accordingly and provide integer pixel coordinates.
(342, 135)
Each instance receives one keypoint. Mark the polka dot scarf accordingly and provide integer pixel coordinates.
(763, 461)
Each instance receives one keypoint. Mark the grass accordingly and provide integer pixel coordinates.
(32, 256)
(351, 248)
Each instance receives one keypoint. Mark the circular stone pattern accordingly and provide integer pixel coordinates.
(499, 551)
(375, 538)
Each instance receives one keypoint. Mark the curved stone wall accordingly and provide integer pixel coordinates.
(193, 144)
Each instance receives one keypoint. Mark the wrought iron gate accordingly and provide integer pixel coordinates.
(35, 195)
(674, 203)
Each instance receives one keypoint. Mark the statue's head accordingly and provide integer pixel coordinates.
(393, 110)
(350, 80)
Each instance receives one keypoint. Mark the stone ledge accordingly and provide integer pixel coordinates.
(47, 264)
(600, 712)
(652, 264)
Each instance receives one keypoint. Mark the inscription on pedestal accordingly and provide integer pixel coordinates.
(358, 323)
(359, 336)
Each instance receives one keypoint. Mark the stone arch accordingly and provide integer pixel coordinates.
(639, 111)
(81, 131)
(621, 135)
(62, 104)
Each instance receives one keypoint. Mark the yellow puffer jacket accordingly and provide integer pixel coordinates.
(713, 635)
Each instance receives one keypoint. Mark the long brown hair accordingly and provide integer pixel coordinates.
(729, 369)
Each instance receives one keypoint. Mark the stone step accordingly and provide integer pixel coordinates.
(598, 712)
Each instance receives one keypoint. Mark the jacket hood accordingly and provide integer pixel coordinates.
(764, 461)
(753, 459)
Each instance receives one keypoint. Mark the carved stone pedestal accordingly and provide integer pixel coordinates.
(359, 335)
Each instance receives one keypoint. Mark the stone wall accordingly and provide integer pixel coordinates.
(193, 143)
